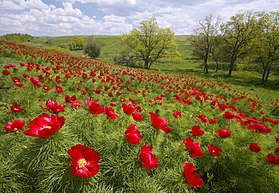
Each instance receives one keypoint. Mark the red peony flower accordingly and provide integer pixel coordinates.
(203, 118)
(188, 169)
(159, 122)
(128, 109)
(15, 79)
(196, 131)
(46, 87)
(193, 179)
(113, 104)
(76, 105)
(19, 84)
(188, 142)
(16, 108)
(148, 159)
(59, 89)
(213, 121)
(254, 147)
(228, 115)
(54, 107)
(45, 125)
(272, 159)
(97, 91)
(214, 150)
(137, 116)
(69, 99)
(16, 125)
(259, 127)
(193, 147)
(94, 107)
(110, 113)
(251, 120)
(177, 114)
(5, 72)
(223, 133)
(35, 82)
(133, 135)
(277, 150)
(188, 102)
(84, 161)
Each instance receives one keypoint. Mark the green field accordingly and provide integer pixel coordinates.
(176, 91)
(184, 64)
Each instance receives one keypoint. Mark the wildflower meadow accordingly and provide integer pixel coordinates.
(72, 124)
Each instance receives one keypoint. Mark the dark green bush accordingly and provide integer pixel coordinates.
(92, 49)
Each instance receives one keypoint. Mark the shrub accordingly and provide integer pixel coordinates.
(92, 49)
(125, 58)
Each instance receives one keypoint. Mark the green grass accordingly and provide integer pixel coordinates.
(247, 81)
(109, 44)
(31, 164)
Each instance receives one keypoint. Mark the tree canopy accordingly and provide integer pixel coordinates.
(238, 32)
(266, 46)
(150, 43)
(203, 41)
(17, 37)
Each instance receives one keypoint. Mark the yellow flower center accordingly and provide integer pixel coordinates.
(48, 127)
(81, 163)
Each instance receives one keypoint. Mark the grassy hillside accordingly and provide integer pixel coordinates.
(75, 125)
(185, 64)
(109, 44)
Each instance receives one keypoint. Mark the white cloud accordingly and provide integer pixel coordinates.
(115, 16)
(23, 4)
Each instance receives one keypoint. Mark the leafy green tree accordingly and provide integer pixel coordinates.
(17, 37)
(77, 43)
(218, 52)
(267, 44)
(150, 43)
(202, 42)
(238, 33)
(92, 49)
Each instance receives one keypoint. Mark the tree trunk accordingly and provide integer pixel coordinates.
(267, 73)
(217, 64)
(205, 63)
(265, 67)
(232, 64)
(263, 76)
(230, 70)
(205, 68)
(150, 65)
(145, 64)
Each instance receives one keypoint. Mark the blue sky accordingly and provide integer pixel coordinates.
(115, 17)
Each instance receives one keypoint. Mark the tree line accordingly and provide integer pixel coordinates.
(17, 37)
(250, 38)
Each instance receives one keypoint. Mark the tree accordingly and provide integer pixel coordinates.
(203, 41)
(17, 37)
(219, 52)
(77, 43)
(125, 58)
(150, 43)
(92, 49)
(267, 45)
(238, 33)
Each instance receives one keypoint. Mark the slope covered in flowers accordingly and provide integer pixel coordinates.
(71, 124)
